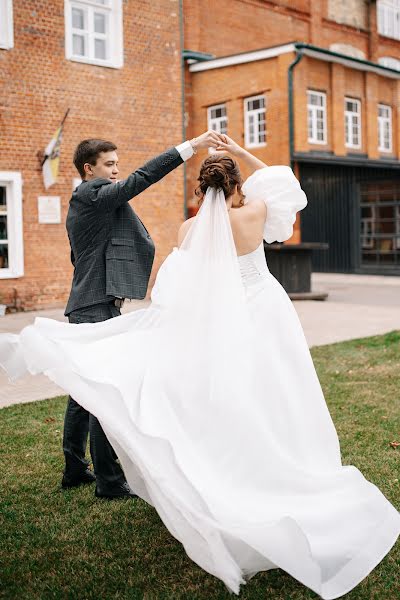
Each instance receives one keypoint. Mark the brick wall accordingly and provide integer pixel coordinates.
(253, 24)
(138, 107)
(349, 12)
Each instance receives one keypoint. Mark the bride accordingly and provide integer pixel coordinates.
(211, 400)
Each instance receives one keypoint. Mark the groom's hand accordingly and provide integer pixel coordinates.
(209, 139)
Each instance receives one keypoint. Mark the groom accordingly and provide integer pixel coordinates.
(112, 253)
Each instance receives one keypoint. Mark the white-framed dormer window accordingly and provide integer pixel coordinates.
(352, 121)
(93, 32)
(11, 235)
(217, 118)
(255, 134)
(389, 18)
(384, 128)
(390, 62)
(6, 24)
(316, 117)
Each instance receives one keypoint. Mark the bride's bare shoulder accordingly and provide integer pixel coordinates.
(183, 229)
(255, 209)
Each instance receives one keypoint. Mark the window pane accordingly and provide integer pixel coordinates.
(3, 256)
(3, 227)
(3, 200)
(78, 45)
(99, 22)
(78, 18)
(100, 49)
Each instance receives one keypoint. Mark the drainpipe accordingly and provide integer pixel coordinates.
(190, 55)
(291, 111)
(182, 59)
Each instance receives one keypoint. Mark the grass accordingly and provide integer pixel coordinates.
(66, 544)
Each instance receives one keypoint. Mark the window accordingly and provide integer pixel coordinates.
(384, 128)
(389, 18)
(93, 32)
(11, 241)
(390, 62)
(6, 24)
(368, 222)
(352, 119)
(316, 110)
(380, 223)
(217, 118)
(254, 122)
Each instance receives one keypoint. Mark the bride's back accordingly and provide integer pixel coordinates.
(247, 224)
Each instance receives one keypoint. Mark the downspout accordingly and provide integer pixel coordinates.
(182, 59)
(290, 98)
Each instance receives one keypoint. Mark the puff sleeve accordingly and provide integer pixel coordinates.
(279, 188)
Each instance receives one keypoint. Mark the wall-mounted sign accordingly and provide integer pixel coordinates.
(49, 209)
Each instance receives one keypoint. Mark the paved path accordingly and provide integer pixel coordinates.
(357, 306)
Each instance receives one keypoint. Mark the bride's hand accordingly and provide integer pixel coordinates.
(227, 144)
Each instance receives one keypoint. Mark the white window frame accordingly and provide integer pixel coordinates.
(368, 227)
(312, 115)
(113, 10)
(384, 122)
(348, 117)
(388, 17)
(215, 123)
(6, 24)
(390, 62)
(12, 181)
(254, 112)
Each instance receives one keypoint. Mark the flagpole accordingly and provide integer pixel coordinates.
(61, 125)
(65, 116)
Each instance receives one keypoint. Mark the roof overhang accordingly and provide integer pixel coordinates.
(298, 47)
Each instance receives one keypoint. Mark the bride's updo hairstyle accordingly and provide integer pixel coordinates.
(219, 171)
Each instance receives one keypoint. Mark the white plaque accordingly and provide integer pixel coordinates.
(49, 209)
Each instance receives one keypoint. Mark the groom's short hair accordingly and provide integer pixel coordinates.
(87, 151)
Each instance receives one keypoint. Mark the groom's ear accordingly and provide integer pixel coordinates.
(88, 168)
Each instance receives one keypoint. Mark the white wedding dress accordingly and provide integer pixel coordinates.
(213, 405)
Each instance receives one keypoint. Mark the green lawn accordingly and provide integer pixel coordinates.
(67, 544)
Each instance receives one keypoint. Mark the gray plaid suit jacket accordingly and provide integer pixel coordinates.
(111, 250)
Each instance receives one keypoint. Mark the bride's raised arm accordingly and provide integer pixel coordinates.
(233, 148)
(277, 186)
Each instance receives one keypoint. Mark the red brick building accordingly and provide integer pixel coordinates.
(117, 66)
(312, 84)
(327, 104)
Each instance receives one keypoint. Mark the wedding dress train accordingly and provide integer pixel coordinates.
(212, 402)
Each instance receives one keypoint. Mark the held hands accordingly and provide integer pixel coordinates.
(209, 139)
(227, 144)
(221, 142)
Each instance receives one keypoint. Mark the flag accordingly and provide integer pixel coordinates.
(51, 159)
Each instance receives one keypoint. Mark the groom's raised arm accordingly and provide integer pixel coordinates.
(109, 196)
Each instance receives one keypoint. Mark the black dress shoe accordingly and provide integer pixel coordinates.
(121, 491)
(83, 478)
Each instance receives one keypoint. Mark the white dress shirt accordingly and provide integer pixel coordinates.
(185, 150)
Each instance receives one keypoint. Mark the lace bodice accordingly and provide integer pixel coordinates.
(253, 265)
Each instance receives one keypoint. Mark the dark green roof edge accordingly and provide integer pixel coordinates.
(204, 56)
(302, 45)
(194, 55)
